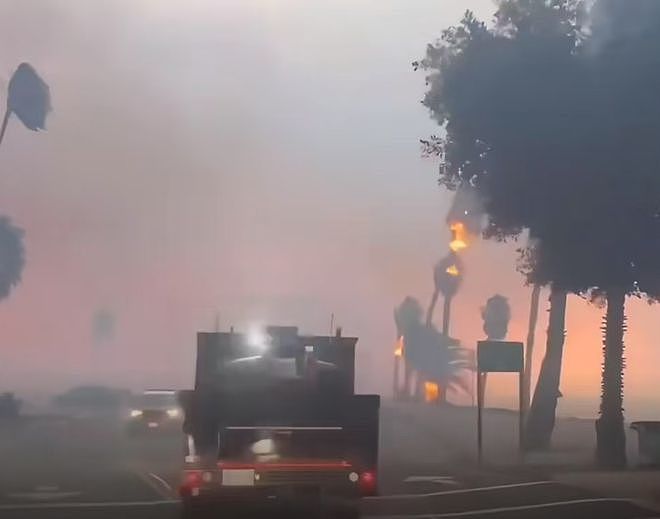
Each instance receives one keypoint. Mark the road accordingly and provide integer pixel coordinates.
(56, 468)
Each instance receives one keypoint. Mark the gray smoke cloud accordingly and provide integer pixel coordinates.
(466, 207)
(612, 22)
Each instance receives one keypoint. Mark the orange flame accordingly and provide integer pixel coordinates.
(459, 236)
(453, 271)
(431, 392)
(398, 352)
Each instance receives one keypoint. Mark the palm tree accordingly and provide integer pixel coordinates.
(611, 447)
(432, 354)
(28, 98)
(447, 277)
(438, 358)
(406, 315)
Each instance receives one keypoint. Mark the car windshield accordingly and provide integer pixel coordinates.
(156, 401)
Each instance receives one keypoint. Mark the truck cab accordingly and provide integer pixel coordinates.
(273, 422)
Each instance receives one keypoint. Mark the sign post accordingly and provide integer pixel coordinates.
(499, 357)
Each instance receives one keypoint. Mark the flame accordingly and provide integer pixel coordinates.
(398, 352)
(453, 271)
(431, 392)
(459, 239)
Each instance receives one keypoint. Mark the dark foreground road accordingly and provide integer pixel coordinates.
(57, 468)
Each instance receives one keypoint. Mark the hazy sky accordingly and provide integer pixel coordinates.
(257, 158)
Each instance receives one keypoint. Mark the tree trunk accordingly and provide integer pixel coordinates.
(431, 309)
(406, 392)
(610, 434)
(531, 330)
(541, 418)
(446, 315)
(396, 390)
(5, 121)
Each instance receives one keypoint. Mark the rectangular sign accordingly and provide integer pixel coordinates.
(238, 478)
(499, 357)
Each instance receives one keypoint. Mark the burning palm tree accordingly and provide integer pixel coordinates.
(438, 361)
(28, 98)
(447, 277)
(405, 315)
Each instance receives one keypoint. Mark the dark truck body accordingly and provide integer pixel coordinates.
(259, 438)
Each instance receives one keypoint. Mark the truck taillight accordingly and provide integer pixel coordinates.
(368, 483)
(192, 480)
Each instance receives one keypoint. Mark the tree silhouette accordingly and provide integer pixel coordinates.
(28, 98)
(496, 315)
(501, 95)
(430, 353)
(447, 278)
(529, 345)
(407, 314)
(12, 256)
(557, 127)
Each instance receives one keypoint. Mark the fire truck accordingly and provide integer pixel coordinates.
(274, 425)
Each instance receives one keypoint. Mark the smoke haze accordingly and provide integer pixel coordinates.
(259, 160)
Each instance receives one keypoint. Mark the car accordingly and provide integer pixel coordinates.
(154, 411)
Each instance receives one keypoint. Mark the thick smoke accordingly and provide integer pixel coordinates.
(613, 22)
(467, 208)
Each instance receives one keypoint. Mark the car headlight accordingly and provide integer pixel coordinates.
(172, 413)
(135, 413)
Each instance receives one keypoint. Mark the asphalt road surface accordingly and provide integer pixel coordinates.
(53, 468)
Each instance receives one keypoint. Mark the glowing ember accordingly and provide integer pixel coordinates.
(398, 352)
(459, 239)
(431, 392)
(453, 270)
